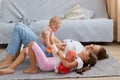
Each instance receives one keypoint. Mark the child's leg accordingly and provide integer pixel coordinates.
(11, 68)
(33, 67)
(44, 63)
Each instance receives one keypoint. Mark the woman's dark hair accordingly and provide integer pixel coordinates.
(91, 62)
(102, 54)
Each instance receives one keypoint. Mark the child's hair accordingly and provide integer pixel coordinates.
(102, 54)
(55, 20)
(92, 59)
(87, 66)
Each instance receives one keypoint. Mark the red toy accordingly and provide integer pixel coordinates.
(50, 50)
(63, 69)
(70, 56)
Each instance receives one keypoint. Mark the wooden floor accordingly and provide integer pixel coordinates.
(114, 49)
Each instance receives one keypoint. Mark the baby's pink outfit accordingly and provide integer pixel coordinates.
(46, 30)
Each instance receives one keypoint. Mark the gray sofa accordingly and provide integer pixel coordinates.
(36, 13)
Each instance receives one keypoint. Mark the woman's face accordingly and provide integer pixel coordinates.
(94, 48)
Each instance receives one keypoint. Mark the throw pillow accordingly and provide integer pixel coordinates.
(88, 13)
(77, 12)
(74, 13)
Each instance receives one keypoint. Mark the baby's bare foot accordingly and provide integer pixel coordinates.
(30, 70)
(6, 71)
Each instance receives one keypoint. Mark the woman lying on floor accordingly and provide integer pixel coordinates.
(47, 64)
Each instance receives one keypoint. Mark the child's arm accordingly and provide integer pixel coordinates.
(55, 50)
(47, 40)
(65, 62)
(48, 44)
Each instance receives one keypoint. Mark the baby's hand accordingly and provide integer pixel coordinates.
(61, 46)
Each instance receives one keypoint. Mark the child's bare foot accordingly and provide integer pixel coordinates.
(6, 71)
(56, 71)
(30, 70)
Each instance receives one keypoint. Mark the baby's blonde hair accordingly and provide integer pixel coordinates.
(55, 20)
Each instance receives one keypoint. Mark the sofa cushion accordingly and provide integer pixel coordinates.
(38, 25)
(86, 30)
(14, 10)
(88, 13)
(98, 6)
(6, 32)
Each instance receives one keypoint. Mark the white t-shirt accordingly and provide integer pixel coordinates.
(72, 45)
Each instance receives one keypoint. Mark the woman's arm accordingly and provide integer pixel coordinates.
(65, 62)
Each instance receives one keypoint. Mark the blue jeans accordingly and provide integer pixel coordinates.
(23, 35)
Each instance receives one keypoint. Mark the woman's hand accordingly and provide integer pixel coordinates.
(89, 46)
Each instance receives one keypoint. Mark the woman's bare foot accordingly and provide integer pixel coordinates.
(5, 64)
(30, 70)
(6, 71)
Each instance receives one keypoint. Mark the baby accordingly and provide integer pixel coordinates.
(48, 33)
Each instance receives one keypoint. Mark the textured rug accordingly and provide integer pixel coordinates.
(104, 68)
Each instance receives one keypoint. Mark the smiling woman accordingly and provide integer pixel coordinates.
(98, 50)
